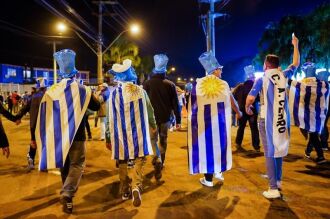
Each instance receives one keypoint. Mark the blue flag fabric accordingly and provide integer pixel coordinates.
(309, 104)
(209, 126)
(60, 114)
(128, 122)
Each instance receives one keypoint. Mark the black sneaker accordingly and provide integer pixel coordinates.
(158, 171)
(136, 197)
(67, 204)
(320, 160)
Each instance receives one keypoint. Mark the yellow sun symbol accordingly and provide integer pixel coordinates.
(211, 86)
(132, 90)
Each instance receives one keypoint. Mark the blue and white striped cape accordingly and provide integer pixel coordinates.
(60, 114)
(128, 122)
(309, 104)
(209, 126)
(277, 117)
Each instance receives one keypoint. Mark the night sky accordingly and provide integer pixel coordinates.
(170, 27)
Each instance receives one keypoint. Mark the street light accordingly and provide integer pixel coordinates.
(60, 27)
(191, 79)
(134, 30)
(173, 69)
(179, 79)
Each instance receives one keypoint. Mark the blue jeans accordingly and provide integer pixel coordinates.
(273, 165)
(73, 168)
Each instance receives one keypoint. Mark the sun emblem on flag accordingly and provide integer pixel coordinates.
(211, 87)
(132, 90)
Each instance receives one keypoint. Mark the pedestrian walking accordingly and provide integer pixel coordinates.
(164, 100)
(209, 123)
(274, 123)
(240, 93)
(130, 115)
(60, 129)
(32, 107)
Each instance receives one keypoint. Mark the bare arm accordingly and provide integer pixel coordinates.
(248, 104)
(234, 106)
(296, 54)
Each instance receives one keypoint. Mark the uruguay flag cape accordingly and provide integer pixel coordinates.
(309, 104)
(209, 126)
(277, 118)
(60, 113)
(128, 122)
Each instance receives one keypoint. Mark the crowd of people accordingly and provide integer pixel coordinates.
(135, 120)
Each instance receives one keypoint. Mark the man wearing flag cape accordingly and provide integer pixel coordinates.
(274, 123)
(32, 107)
(60, 130)
(308, 107)
(209, 123)
(130, 115)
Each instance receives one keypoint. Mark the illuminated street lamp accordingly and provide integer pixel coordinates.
(60, 28)
(173, 69)
(191, 79)
(134, 30)
(179, 79)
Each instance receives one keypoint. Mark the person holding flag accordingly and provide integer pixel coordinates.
(60, 130)
(274, 123)
(130, 114)
(309, 101)
(209, 123)
(32, 107)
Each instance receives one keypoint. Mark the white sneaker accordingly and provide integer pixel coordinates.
(279, 185)
(136, 197)
(219, 176)
(204, 182)
(271, 193)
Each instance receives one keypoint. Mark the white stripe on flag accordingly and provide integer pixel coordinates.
(146, 122)
(190, 137)
(301, 109)
(64, 126)
(228, 129)
(120, 128)
(201, 137)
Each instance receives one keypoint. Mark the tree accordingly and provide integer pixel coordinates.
(121, 50)
(312, 31)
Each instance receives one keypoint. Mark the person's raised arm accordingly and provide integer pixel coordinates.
(296, 54)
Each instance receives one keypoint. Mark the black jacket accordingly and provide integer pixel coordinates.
(3, 136)
(94, 105)
(163, 97)
(32, 107)
(240, 93)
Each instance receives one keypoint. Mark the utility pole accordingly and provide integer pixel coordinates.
(210, 21)
(100, 40)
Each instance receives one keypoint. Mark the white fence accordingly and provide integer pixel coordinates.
(20, 88)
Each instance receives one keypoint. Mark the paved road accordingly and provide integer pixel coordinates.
(306, 186)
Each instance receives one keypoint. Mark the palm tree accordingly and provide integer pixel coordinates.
(121, 50)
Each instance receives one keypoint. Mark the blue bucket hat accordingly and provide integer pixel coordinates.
(41, 82)
(209, 62)
(249, 72)
(309, 69)
(188, 87)
(160, 64)
(66, 62)
(124, 72)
